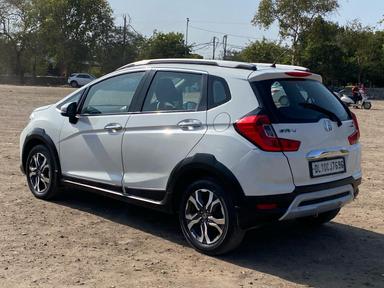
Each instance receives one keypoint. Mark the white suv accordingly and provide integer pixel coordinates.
(227, 146)
(80, 79)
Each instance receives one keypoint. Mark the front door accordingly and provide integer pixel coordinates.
(91, 148)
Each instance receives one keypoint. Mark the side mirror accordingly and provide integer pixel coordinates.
(70, 110)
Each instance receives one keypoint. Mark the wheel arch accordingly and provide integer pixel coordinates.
(196, 167)
(38, 136)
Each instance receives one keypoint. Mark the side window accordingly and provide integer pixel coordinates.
(218, 92)
(73, 98)
(174, 91)
(113, 95)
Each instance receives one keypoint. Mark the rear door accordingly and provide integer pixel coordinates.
(306, 111)
(172, 120)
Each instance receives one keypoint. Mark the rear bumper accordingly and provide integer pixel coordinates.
(303, 201)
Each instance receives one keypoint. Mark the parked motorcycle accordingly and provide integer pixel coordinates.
(360, 102)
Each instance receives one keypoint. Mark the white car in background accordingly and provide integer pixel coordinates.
(80, 79)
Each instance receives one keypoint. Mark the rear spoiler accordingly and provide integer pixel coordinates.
(261, 75)
(281, 66)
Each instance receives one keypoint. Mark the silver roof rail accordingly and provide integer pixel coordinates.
(219, 63)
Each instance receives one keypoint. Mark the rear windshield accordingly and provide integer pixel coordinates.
(298, 100)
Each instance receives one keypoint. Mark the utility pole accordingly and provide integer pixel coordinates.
(186, 36)
(225, 39)
(214, 47)
(124, 37)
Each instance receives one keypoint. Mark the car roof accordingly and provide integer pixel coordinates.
(251, 71)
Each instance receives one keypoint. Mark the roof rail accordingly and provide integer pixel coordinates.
(219, 63)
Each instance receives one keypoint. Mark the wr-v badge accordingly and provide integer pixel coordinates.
(327, 125)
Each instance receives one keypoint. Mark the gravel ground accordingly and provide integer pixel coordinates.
(84, 240)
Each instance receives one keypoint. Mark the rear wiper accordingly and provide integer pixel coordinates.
(332, 116)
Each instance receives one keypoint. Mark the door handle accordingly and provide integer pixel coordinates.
(113, 127)
(190, 124)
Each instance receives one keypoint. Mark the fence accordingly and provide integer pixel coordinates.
(38, 80)
(376, 93)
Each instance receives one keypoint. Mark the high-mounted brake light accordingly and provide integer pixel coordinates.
(258, 129)
(355, 136)
(298, 74)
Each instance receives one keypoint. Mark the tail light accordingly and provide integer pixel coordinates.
(258, 129)
(298, 74)
(355, 136)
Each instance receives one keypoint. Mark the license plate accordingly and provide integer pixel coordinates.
(326, 167)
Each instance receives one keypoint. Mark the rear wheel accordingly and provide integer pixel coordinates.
(320, 219)
(208, 218)
(367, 105)
(39, 169)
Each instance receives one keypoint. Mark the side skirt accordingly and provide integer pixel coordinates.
(154, 199)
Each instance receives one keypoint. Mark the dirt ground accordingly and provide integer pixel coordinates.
(84, 240)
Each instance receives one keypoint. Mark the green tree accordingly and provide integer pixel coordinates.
(264, 51)
(364, 48)
(292, 17)
(16, 30)
(165, 45)
(119, 50)
(323, 52)
(71, 30)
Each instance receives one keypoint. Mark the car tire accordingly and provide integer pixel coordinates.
(320, 219)
(40, 171)
(208, 218)
(74, 84)
(367, 105)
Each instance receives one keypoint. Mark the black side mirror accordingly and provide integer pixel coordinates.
(70, 110)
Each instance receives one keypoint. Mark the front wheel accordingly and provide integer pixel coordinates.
(74, 84)
(39, 169)
(208, 218)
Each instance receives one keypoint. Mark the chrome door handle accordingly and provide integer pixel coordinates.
(113, 127)
(190, 124)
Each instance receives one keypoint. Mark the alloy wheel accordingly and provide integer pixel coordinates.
(205, 217)
(39, 173)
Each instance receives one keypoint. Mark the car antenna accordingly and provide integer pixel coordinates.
(279, 57)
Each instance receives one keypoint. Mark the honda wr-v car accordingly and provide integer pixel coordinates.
(227, 146)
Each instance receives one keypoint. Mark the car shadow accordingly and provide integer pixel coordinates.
(335, 255)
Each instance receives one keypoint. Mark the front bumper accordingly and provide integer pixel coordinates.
(303, 201)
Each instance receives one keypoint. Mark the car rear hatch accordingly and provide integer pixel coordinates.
(304, 112)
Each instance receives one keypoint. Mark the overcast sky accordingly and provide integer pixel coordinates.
(209, 18)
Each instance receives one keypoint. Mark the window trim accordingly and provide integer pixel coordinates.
(65, 99)
(137, 92)
(203, 102)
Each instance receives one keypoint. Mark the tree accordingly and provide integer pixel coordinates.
(16, 29)
(264, 51)
(122, 47)
(323, 52)
(364, 48)
(293, 17)
(71, 30)
(166, 45)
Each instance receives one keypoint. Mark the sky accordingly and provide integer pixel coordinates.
(215, 18)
